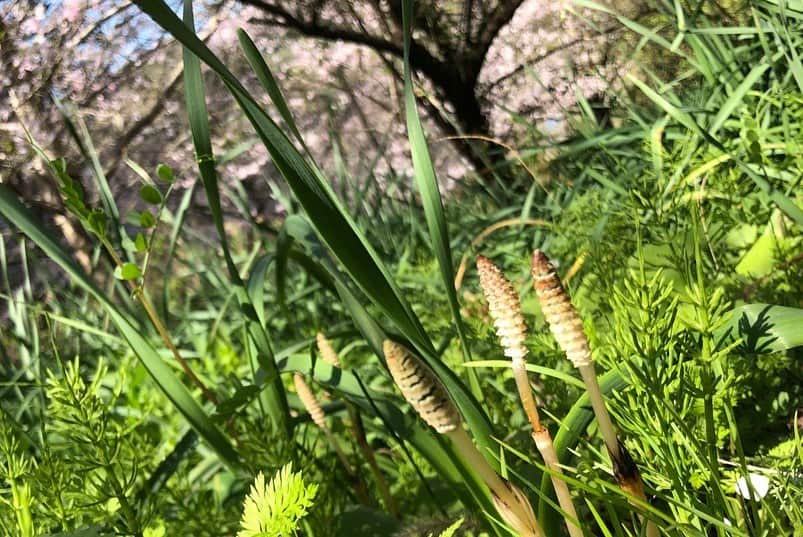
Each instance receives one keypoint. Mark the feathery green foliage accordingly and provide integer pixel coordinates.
(276, 508)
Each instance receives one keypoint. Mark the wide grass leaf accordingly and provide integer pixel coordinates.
(195, 96)
(431, 198)
(765, 327)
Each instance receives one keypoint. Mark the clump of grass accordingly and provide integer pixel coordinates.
(16, 468)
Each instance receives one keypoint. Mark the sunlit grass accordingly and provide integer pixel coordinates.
(676, 236)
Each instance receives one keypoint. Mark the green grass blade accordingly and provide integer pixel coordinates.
(532, 368)
(198, 116)
(268, 81)
(197, 113)
(331, 222)
(784, 202)
(175, 231)
(256, 285)
(80, 134)
(84, 327)
(427, 184)
(736, 98)
(164, 376)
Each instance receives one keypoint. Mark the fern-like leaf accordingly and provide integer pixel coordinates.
(275, 509)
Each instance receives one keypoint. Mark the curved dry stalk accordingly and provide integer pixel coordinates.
(505, 310)
(567, 327)
(318, 417)
(429, 398)
(358, 431)
(484, 234)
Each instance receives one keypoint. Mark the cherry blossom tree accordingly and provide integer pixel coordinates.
(491, 68)
(470, 52)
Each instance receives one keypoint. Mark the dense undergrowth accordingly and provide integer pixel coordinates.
(677, 232)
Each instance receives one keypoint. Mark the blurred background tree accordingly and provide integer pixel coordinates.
(511, 71)
(451, 45)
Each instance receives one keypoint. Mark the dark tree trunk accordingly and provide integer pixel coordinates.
(450, 55)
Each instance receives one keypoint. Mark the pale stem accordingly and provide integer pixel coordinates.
(526, 394)
(543, 441)
(600, 410)
(606, 426)
(520, 516)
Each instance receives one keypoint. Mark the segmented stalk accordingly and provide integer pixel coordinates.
(318, 417)
(327, 352)
(556, 306)
(567, 327)
(421, 388)
(505, 310)
(425, 393)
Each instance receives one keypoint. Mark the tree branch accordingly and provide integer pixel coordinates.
(322, 30)
(491, 25)
(441, 73)
(150, 116)
(468, 10)
(541, 57)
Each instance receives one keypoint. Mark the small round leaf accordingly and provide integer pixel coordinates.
(146, 219)
(128, 271)
(140, 243)
(165, 173)
(150, 195)
(127, 244)
(97, 222)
